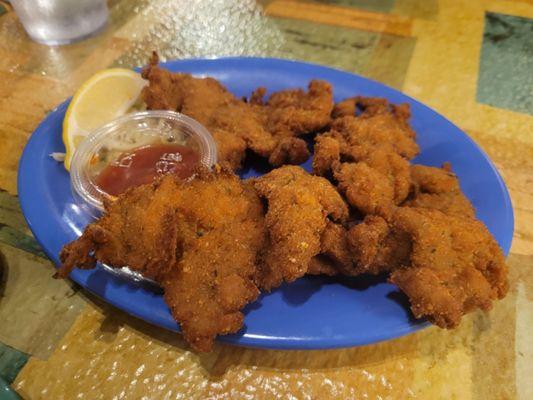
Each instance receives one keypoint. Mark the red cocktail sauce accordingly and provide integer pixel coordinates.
(141, 165)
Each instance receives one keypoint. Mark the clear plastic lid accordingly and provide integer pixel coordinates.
(106, 145)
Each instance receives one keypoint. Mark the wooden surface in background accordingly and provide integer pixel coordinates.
(438, 52)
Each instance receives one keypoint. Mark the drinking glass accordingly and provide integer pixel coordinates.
(55, 22)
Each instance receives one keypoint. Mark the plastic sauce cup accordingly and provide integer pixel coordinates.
(106, 144)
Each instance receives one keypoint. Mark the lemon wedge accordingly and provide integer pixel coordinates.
(103, 97)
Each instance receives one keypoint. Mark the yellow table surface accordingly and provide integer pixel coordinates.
(472, 61)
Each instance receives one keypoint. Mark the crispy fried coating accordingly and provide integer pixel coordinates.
(365, 188)
(447, 265)
(445, 260)
(455, 265)
(335, 256)
(199, 240)
(114, 238)
(334, 245)
(298, 208)
(377, 248)
(369, 247)
(357, 140)
(356, 105)
(438, 188)
(335, 252)
(268, 128)
(234, 126)
(378, 122)
(367, 154)
(322, 265)
(375, 183)
(295, 112)
(289, 150)
(327, 154)
(213, 279)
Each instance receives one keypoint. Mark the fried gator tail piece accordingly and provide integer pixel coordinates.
(269, 128)
(199, 240)
(417, 225)
(214, 242)
(299, 205)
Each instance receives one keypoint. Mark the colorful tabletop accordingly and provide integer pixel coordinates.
(470, 61)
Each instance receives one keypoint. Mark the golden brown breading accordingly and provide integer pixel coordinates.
(365, 188)
(115, 237)
(358, 104)
(379, 122)
(376, 247)
(298, 207)
(368, 154)
(200, 240)
(455, 266)
(213, 279)
(291, 113)
(395, 169)
(322, 265)
(295, 112)
(334, 244)
(336, 255)
(327, 154)
(438, 188)
(447, 265)
(231, 121)
(369, 247)
(289, 150)
(267, 128)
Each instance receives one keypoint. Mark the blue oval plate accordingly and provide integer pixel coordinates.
(313, 312)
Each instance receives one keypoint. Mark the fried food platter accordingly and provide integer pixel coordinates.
(315, 311)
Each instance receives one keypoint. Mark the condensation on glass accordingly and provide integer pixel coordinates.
(56, 22)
